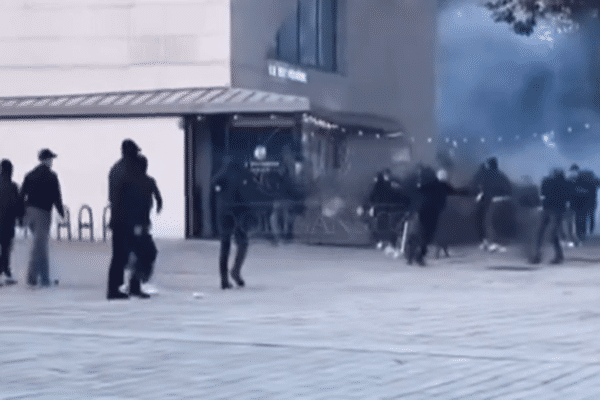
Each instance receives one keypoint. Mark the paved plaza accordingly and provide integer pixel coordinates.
(313, 323)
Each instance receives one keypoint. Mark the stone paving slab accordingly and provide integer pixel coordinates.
(314, 322)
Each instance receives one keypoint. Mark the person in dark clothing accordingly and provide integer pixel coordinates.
(590, 183)
(143, 244)
(234, 186)
(387, 201)
(11, 210)
(492, 185)
(556, 192)
(127, 218)
(41, 191)
(434, 194)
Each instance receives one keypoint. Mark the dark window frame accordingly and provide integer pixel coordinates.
(320, 63)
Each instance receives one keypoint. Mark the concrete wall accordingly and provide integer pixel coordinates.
(78, 46)
(385, 57)
(86, 151)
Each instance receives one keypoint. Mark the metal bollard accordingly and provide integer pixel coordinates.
(89, 225)
(105, 222)
(64, 223)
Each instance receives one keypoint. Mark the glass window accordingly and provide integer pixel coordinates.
(287, 40)
(326, 34)
(307, 32)
(309, 36)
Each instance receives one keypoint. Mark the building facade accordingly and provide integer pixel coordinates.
(334, 90)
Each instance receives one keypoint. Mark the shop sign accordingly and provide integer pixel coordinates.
(283, 71)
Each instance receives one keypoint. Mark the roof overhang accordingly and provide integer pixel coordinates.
(214, 100)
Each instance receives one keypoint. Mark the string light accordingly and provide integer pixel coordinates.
(464, 140)
(569, 129)
(429, 140)
(482, 140)
(587, 126)
(447, 140)
(360, 133)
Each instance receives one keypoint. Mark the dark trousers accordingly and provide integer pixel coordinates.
(481, 217)
(582, 217)
(553, 219)
(232, 225)
(5, 250)
(122, 239)
(428, 220)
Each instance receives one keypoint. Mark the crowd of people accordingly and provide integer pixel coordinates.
(405, 213)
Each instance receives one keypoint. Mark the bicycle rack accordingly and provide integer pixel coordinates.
(105, 222)
(89, 225)
(63, 223)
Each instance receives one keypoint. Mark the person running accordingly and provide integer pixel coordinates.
(434, 196)
(556, 192)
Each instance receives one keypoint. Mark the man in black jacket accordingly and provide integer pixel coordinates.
(492, 185)
(434, 194)
(126, 198)
(234, 186)
(11, 209)
(556, 192)
(41, 191)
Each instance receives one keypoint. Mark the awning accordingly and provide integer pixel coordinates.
(152, 102)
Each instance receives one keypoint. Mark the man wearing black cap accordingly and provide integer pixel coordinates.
(124, 194)
(41, 191)
(11, 209)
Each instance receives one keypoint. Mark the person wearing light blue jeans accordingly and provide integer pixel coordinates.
(41, 191)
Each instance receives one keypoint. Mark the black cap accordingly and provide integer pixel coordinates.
(46, 154)
(574, 167)
(129, 147)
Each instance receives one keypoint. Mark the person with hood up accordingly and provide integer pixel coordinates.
(492, 186)
(11, 210)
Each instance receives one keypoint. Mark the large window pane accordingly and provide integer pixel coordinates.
(287, 40)
(327, 34)
(307, 15)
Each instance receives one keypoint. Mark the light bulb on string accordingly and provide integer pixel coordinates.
(482, 140)
(429, 140)
(447, 140)
(499, 138)
(569, 129)
(587, 126)
(465, 140)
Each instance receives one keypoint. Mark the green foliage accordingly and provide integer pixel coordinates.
(523, 15)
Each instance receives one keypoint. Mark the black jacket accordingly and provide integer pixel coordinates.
(41, 189)
(124, 193)
(435, 194)
(11, 207)
(557, 191)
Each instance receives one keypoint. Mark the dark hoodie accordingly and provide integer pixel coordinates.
(11, 207)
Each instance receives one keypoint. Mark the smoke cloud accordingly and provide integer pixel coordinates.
(527, 100)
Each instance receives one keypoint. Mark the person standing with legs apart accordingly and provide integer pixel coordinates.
(41, 191)
(233, 185)
(556, 192)
(11, 210)
(124, 194)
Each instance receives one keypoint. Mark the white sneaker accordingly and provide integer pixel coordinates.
(389, 250)
(493, 247)
(379, 245)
